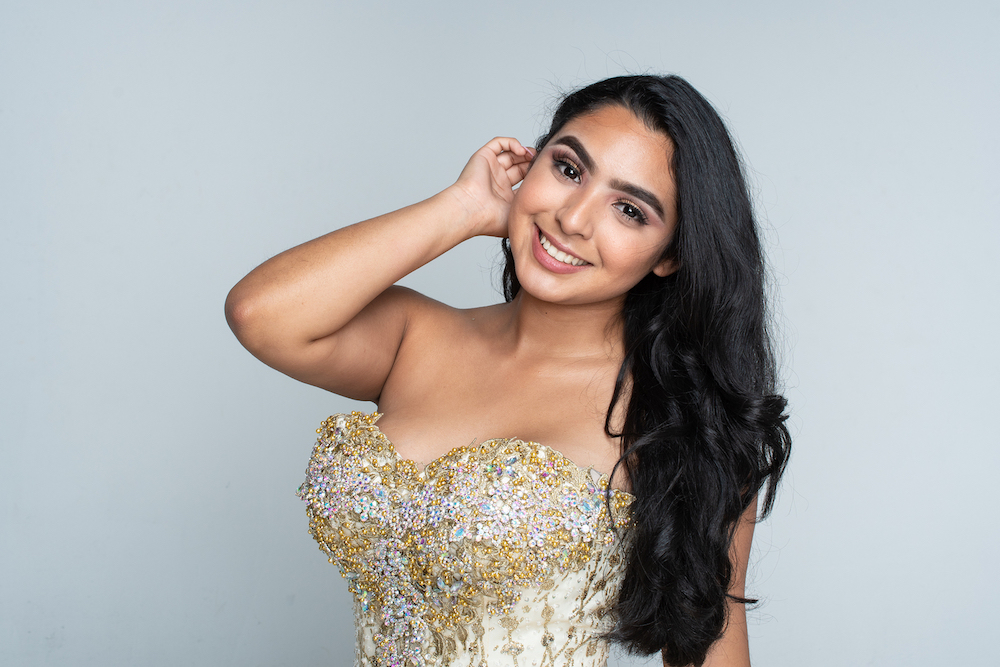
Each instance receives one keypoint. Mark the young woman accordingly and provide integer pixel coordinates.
(580, 464)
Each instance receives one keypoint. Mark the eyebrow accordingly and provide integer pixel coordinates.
(629, 188)
(639, 193)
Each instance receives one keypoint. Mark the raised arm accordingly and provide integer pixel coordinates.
(323, 312)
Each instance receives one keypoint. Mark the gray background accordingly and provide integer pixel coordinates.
(151, 153)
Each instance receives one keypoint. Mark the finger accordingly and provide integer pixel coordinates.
(505, 160)
(508, 145)
(517, 172)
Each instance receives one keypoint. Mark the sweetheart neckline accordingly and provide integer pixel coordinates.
(421, 469)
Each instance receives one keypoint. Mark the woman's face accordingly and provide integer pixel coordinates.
(595, 211)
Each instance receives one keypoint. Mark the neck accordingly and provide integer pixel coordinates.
(565, 331)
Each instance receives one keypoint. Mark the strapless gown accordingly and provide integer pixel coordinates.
(495, 554)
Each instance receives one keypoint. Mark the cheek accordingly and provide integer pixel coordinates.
(517, 217)
(520, 224)
(523, 195)
(528, 195)
(630, 258)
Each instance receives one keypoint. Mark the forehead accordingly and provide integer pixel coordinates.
(622, 146)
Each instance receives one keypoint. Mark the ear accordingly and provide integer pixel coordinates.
(666, 267)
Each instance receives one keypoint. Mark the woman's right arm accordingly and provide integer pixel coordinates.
(323, 313)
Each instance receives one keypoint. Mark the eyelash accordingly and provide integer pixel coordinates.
(563, 162)
(639, 218)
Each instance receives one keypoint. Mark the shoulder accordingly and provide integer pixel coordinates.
(424, 315)
(439, 346)
(414, 303)
(432, 333)
(404, 310)
(435, 334)
(357, 361)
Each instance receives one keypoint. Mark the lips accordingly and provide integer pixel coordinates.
(555, 259)
(558, 254)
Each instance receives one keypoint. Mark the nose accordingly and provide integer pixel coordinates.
(575, 215)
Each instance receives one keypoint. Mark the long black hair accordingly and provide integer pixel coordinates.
(704, 431)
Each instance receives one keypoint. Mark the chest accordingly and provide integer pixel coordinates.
(458, 394)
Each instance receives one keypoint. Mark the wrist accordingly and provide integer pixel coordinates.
(467, 211)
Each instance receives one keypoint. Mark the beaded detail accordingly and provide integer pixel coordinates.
(500, 552)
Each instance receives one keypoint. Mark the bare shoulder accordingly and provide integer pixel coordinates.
(438, 343)
(358, 359)
(400, 331)
(412, 302)
(423, 316)
(435, 326)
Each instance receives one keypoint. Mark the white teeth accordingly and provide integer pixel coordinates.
(559, 254)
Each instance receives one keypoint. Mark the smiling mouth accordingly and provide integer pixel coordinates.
(557, 254)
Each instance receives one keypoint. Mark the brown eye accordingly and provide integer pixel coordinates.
(632, 211)
(568, 170)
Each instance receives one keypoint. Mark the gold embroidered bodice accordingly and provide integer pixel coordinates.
(499, 553)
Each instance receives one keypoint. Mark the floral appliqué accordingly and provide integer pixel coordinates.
(439, 558)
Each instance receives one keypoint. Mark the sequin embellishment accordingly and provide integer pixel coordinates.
(438, 558)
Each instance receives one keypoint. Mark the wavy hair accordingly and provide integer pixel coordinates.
(703, 432)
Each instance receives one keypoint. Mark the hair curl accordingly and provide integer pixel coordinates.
(704, 428)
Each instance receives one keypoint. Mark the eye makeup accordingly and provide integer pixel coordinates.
(567, 161)
(566, 164)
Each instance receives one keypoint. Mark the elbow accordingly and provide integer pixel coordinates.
(242, 315)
